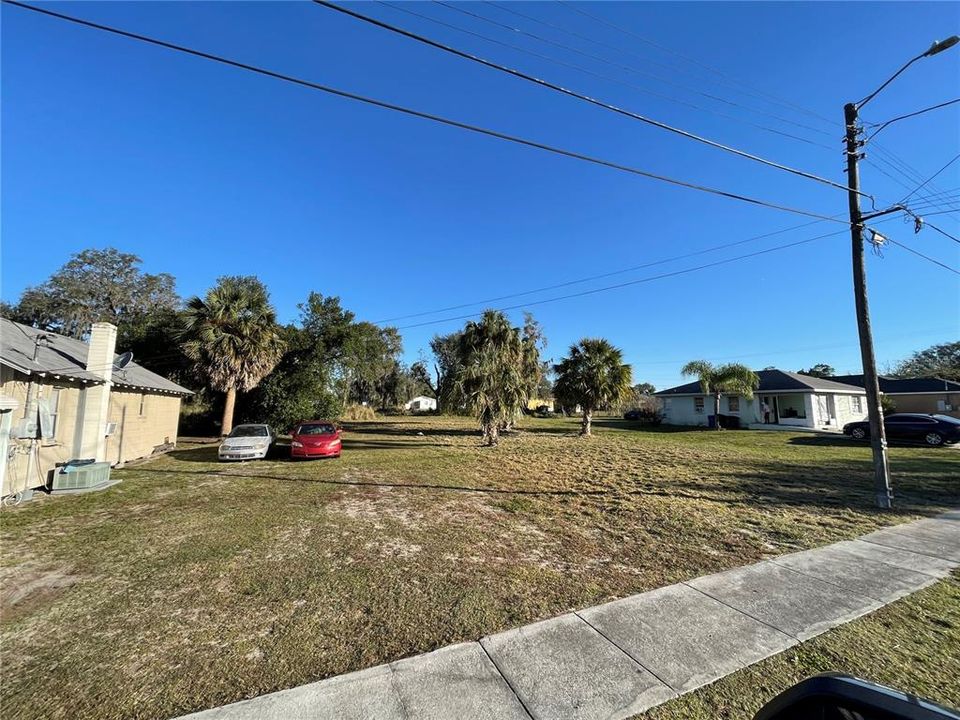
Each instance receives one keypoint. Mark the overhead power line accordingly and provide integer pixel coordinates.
(942, 232)
(424, 115)
(768, 97)
(881, 126)
(925, 257)
(571, 93)
(404, 8)
(599, 276)
(629, 283)
(927, 181)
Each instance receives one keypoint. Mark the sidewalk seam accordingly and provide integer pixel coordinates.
(506, 680)
(894, 547)
(739, 610)
(632, 658)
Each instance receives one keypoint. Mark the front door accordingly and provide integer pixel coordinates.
(768, 409)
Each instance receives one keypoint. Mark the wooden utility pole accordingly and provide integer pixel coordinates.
(878, 435)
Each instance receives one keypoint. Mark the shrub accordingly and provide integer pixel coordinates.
(354, 413)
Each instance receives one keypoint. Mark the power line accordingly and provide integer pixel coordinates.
(600, 276)
(925, 257)
(630, 282)
(602, 76)
(881, 126)
(942, 232)
(425, 115)
(606, 61)
(925, 182)
(571, 93)
(773, 98)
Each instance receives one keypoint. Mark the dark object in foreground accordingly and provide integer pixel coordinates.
(930, 429)
(833, 696)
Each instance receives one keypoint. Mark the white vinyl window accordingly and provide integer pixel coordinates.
(856, 404)
(733, 403)
(53, 405)
(698, 404)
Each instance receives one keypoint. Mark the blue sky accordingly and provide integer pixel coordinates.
(204, 170)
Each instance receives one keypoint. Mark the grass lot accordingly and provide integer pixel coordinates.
(194, 584)
(913, 645)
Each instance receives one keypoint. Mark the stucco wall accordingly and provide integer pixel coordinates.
(137, 434)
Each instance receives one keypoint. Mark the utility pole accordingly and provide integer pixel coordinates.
(878, 435)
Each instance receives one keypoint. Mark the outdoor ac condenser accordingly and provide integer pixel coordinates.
(85, 476)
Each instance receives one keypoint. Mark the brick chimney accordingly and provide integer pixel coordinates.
(91, 434)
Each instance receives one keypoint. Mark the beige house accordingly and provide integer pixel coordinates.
(931, 395)
(63, 399)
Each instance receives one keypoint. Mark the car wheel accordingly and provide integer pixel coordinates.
(858, 433)
(934, 438)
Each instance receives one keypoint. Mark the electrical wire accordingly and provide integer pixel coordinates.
(579, 96)
(598, 58)
(881, 126)
(600, 276)
(757, 93)
(602, 76)
(629, 282)
(920, 254)
(927, 181)
(423, 115)
(942, 232)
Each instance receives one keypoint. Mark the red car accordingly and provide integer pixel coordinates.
(316, 438)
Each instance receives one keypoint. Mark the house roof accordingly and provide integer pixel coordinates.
(775, 381)
(62, 356)
(893, 386)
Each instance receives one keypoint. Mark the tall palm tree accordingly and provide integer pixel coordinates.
(233, 338)
(490, 375)
(592, 376)
(715, 380)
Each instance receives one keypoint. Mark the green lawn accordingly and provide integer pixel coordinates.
(194, 584)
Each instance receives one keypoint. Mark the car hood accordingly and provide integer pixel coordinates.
(244, 441)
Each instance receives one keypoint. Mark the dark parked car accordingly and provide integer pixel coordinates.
(631, 415)
(929, 429)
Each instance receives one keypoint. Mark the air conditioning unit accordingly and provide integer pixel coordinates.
(82, 475)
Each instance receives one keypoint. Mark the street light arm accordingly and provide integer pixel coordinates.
(893, 77)
(881, 126)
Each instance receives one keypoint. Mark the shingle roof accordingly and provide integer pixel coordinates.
(66, 357)
(775, 381)
(892, 386)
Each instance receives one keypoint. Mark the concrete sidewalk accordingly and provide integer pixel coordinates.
(621, 658)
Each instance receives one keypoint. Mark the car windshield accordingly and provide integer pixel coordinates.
(316, 429)
(249, 431)
(947, 419)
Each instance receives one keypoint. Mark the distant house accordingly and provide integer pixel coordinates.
(916, 395)
(783, 398)
(64, 399)
(421, 403)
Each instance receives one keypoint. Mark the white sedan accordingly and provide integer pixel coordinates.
(247, 442)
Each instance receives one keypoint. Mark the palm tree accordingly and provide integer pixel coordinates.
(490, 375)
(592, 376)
(233, 338)
(715, 380)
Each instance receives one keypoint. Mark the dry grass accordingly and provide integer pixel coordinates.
(193, 584)
(912, 645)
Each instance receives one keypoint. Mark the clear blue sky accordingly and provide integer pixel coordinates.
(204, 170)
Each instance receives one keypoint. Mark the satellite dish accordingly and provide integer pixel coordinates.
(122, 361)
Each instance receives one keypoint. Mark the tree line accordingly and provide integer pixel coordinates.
(229, 346)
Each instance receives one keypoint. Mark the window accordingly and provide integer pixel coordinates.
(698, 404)
(143, 404)
(856, 404)
(733, 403)
(53, 407)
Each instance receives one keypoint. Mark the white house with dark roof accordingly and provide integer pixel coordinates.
(65, 399)
(783, 398)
